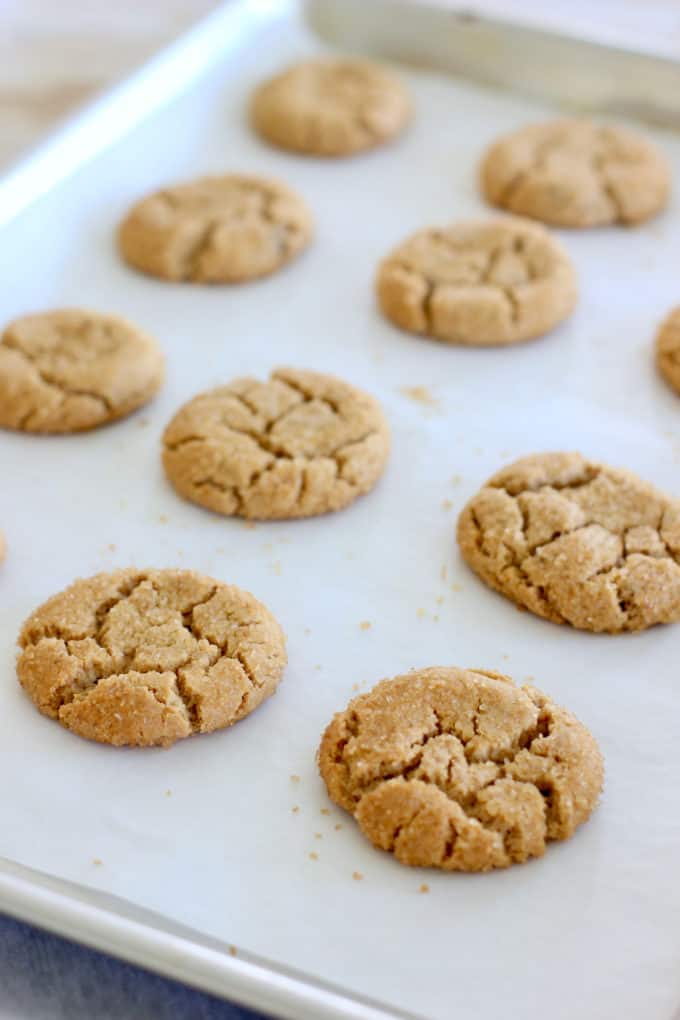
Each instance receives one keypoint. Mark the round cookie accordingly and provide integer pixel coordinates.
(330, 107)
(576, 542)
(297, 445)
(478, 283)
(68, 370)
(573, 173)
(216, 230)
(146, 657)
(460, 769)
(667, 349)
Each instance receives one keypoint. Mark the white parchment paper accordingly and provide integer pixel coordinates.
(205, 832)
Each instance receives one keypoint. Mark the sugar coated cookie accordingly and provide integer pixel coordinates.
(460, 769)
(573, 173)
(68, 370)
(297, 445)
(216, 230)
(478, 283)
(330, 107)
(145, 657)
(667, 349)
(576, 542)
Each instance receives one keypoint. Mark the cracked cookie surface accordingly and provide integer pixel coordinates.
(216, 230)
(297, 445)
(67, 370)
(330, 107)
(577, 542)
(574, 173)
(667, 349)
(146, 657)
(460, 769)
(478, 283)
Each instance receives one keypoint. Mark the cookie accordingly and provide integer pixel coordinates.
(68, 370)
(460, 769)
(478, 283)
(667, 349)
(573, 173)
(146, 657)
(297, 445)
(576, 542)
(216, 230)
(330, 107)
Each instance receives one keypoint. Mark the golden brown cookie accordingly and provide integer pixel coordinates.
(69, 369)
(460, 769)
(330, 107)
(667, 349)
(145, 657)
(573, 173)
(216, 230)
(297, 445)
(576, 542)
(478, 283)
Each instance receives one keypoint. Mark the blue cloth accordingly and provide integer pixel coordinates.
(43, 977)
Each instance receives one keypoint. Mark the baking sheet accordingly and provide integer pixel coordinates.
(204, 833)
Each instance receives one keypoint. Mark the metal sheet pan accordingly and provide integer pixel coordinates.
(222, 860)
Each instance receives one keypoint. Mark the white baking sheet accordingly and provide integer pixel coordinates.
(205, 832)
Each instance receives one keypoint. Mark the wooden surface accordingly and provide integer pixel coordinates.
(55, 54)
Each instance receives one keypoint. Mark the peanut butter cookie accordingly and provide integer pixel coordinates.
(146, 657)
(478, 283)
(577, 542)
(573, 173)
(68, 370)
(460, 769)
(330, 107)
(668, 349)
(216, 230)
(297, 445)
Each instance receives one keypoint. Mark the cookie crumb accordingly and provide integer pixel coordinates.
(456, 587)
(295, 808)
(142, 422)
(325, 811)
(530, 679)
(295, 779)
(313, 856)
(232, 950)
(111, 547)
(440, 600)
(357, 876)
(444, 571)
(337, 826)
(97, 861)
(505, 656)
(455, 479)
(421, 613)
(436, 619)
(355, 687)
(447, 504)
(424, 888)
(365, 625)
(419, 394)
(162, 518)
(318, 666)
(168, 793)
(318, 835)
(249, 525)
(276, 567)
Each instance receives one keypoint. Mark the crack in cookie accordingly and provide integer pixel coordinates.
(330, 107)
(478, 283)
(574, 173)
(297, 445)
(576, 542)
(146, 657)
(216, 230)
(67, 370)
(460, 769)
